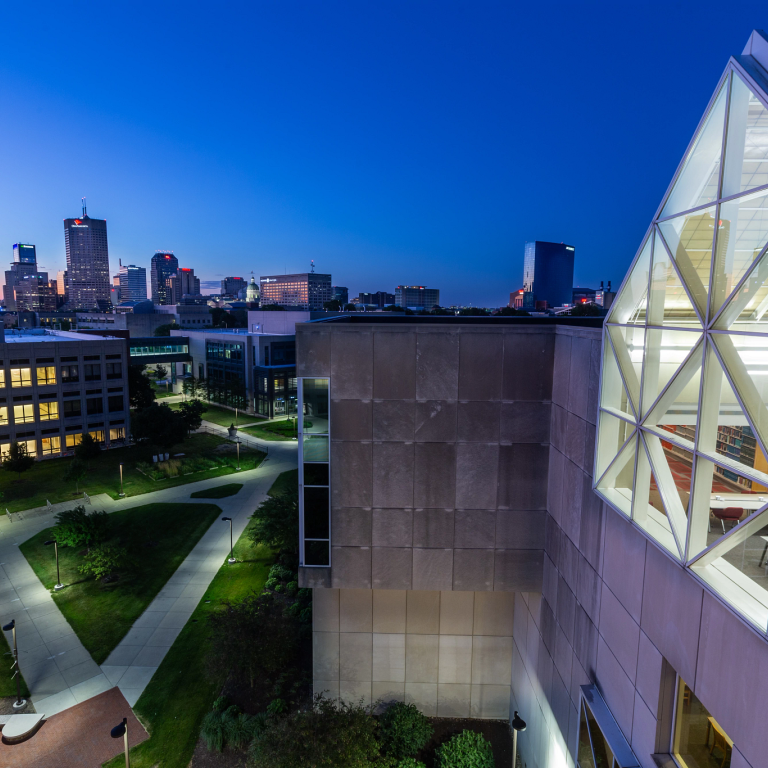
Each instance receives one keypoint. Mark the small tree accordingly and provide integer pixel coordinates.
(88, 448)
(276, 520)
(334, 305)
(17, 459)
(192, 413)
(140, 392)
(104, 560)
(189, 386)
(160, 425)
(76, 527)
(404, 730)
(75, 473)
(161, 372)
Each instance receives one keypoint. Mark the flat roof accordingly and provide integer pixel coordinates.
(37, 335)
(370, 318)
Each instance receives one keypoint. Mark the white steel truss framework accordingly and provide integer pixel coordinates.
(683, 424)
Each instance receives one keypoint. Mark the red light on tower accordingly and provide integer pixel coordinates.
(167, 256)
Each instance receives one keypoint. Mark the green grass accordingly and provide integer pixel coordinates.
(218, 492)
(180, 693)
(8, 683)
(157, 536)
(285, 429)
(43, 482)
(221, 416)
(283, 482)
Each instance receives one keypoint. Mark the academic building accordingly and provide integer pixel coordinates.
(559, 516)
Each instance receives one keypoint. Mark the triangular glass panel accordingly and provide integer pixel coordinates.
(747, 308)
(613, 393)
(689, 239)
(742, 234)
(665, 353)
(611, 435)
(698, 180)
(629, 345)
(616, 484)
(585, 757)
(631, 304)
(676, 410)
(669, 301)
(746, 148)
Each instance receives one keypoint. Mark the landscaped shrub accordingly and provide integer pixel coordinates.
(404, 730)
(411, 762)
(277, 707)
(77, 528)
(292, 588)
(104, 560)
(229, 727)
(465, 750)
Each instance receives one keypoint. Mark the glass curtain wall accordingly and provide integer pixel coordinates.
(683, 422)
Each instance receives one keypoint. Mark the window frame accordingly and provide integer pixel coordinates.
(45, 380)
(21, 382)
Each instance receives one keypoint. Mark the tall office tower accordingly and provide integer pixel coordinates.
(133, 282)
(61, 282)
(417, 297)
(547, 275)
(35, 293)
(309, 290)
(183, 283)
(164, 266)
(24, 263)
(341, 294)
(87, 262)
(231, 286)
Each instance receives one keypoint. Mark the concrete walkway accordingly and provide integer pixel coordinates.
(57, 668)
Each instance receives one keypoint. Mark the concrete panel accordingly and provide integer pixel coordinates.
(644, 727)
(393, 419)
(479, 421)
(355, 610)
(455, 659)
(325, 655)
(568, 562)
(423, 612)
(525, 422)
(473, 569)
(436, 421)
(424, 696)
(313, 353)
(437, 366)
(672, 613)
(520, 630)
(389, 610)
(387, 693)
(352, 419)
(435, 484)
(649, 666)
(351, 475)
(589, 449)
(589, 589)
(352, 365)
(616, 688)
(351, 527)
(491, 660)
(314, 578)
(325, 610)
(453, 700)
(480, 366)
(555, 484)
(548, 627)
(490, 702)
(523, 476)
(620, 632)
(477, 475)
(578, 678)
(573, 494)
(559, 428)
(520, 529)
(494, 614)
(393, 475)
(355, 691)
(585, 641)
(549, 583)
(456, 613)
(594, 380)
(591, 529)
(391, 528)
(738, 760)
(562, 370)
(474, 528)
(433, 528)
(421, 654)
(523, 353)
(518, 570)
(575, 438)
(561, 706)
(394, 365)
(328, 689)
(356, 655)
(566, 609)
(432, 569)
(391, 567)
(578, 381)
(624, 563)
(351, 567)
(388, 658)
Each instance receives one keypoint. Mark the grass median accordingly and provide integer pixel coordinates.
(157, 538)
(7, 682)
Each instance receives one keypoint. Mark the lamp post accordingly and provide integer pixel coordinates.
(19, 703)
(58, 584)
(117, 732)
(237, 442)
(121, 480)
(518, 724)
(231, 558)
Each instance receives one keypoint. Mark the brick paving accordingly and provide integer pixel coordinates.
(78, 737)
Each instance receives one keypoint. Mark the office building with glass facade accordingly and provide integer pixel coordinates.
(307, 291)
(547, 275)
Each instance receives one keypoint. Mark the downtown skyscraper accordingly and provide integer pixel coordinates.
(163, 267)
(87, 262)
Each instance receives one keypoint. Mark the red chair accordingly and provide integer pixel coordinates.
(729, 513)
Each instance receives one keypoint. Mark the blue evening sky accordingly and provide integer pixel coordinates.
(413, 142)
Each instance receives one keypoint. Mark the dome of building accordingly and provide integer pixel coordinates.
(252, 294)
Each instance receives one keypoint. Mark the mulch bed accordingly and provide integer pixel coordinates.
(229, 758)
(497, 732)
(6, 705)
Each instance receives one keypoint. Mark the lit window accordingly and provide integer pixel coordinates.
(117, 433)
(3, 414)
(51, 445)
(2, 378)
(23, 413)
(21, 377)
(73, 440)
(49, 411)
(46, 374)
(698, 739)
(97, 435)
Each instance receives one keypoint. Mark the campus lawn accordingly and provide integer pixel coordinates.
(181, 692)
(44, 481)
(221, 416)
(157, 536)
(8, 683)
(285, 429)
(217, 492)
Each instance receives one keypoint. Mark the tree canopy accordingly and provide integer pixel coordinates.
(140, 392)
(165, 330)
(276, 520)
(17, 459)
(160, 426)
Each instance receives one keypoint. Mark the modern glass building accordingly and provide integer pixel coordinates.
(88, 285)
(163, 266)
(133, 282)
(547, 274)
(309, 290)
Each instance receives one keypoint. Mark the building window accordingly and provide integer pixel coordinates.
(698, 739)
(601, 743)
(3, 414)
(94, 405)
(2, 378)
(114, 370)
(69, 374)
(71, 408)
(51, 445)
(23, 413)
(92, 372)
(117, 433)
(30, 446)
(73, 440)
(46, 374)
(21, 377)
(97, 435)
(115, 403)
(49, 411)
